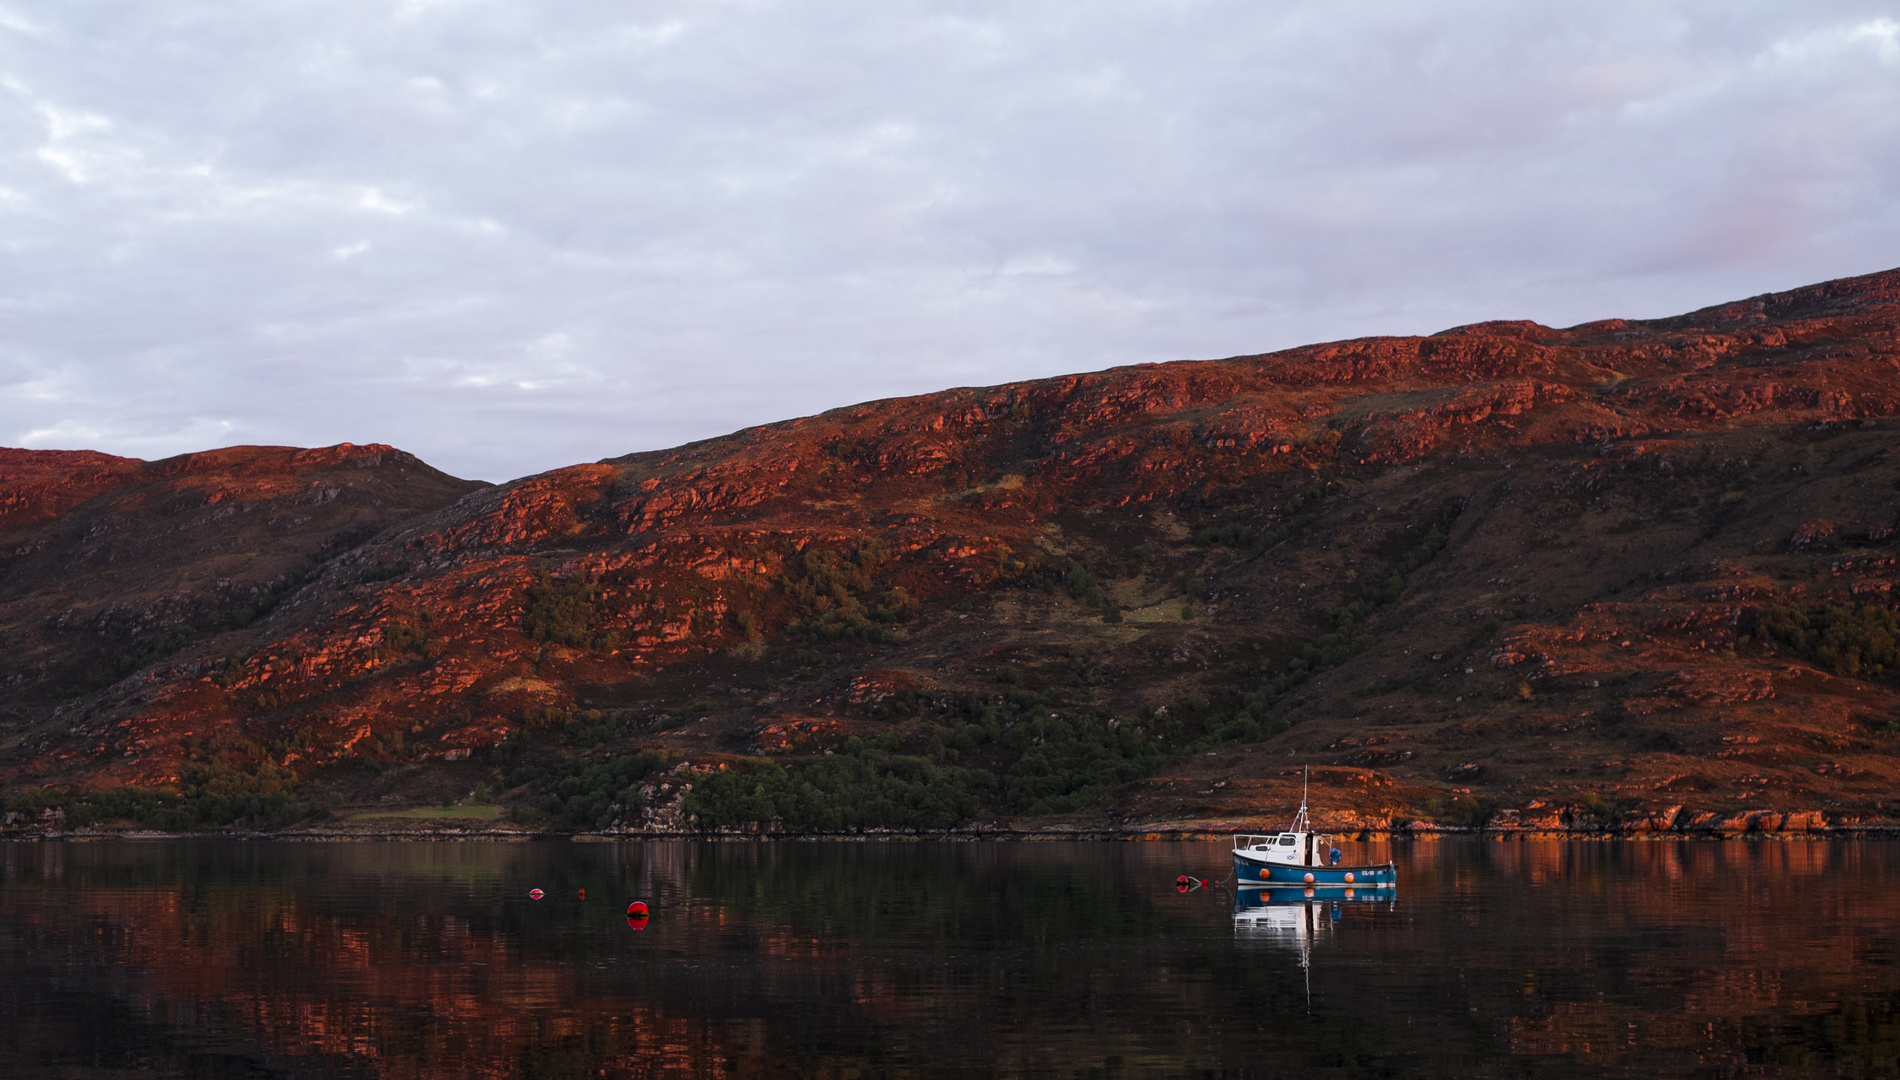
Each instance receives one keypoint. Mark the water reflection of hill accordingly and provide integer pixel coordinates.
(429, 960)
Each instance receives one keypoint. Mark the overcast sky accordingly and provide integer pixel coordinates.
(513, 236)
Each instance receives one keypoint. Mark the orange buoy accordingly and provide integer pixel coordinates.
(584, 891)
(1309, 877)
(1349, 877)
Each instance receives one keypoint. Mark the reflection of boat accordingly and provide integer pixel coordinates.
(1295, 859)
(1288, 923)
(1295, 918)
(1272, 908)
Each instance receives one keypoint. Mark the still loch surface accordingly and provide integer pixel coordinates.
(233, 959)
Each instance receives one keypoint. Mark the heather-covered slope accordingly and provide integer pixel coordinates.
(107, 564)
(1504, 573)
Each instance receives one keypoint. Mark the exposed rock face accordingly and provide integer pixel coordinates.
(1622, 500)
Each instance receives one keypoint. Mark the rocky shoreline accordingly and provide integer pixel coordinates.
(1757, 825)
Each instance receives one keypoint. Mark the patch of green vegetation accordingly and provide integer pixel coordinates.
(1607, 808)
(212, 796)
(1006, 753)
(1851, 639)
(867, 784)
(1082, 587)
(826, 587)
(593, 794)
(1471, 811)
(564, 612)
(408, 638)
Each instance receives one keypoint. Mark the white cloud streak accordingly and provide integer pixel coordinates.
(510, 236)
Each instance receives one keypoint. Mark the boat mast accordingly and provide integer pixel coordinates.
(1300, 824)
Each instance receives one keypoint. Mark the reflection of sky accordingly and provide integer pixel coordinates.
(509, 237)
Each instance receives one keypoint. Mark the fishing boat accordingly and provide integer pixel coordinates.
(1300, 858)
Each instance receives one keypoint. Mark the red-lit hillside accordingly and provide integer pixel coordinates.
(1663, 582)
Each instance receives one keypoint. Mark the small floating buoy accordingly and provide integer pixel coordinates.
(584, 891)
(637, 909)
(1183, 883)
(1349, 877)
(1309, 877)
(535, 894)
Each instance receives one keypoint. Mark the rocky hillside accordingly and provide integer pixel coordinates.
(1629, 574)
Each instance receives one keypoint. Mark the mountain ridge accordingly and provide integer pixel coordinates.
(900, 586)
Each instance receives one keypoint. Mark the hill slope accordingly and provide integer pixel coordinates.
(1630, 572)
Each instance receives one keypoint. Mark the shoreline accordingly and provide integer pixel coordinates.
(1148, 835)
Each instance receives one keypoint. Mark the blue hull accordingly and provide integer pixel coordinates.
(1250, 874)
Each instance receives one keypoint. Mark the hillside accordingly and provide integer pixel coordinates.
(1628, 574)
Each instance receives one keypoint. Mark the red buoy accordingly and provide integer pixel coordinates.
(637, 909)
(535, 894)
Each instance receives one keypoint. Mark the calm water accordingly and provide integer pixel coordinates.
(940, 959)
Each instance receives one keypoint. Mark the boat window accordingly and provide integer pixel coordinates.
(1288, 841)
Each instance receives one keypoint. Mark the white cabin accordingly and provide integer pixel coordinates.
(1285, 849)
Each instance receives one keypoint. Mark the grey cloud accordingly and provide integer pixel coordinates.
(510, 236)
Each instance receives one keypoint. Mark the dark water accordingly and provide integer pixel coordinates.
(940, 959)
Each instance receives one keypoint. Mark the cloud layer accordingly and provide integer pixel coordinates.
(514, 236)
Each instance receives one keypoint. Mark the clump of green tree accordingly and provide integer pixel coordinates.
(1084, 589)
(594, 794)
(565, 612)
(867, 784)
(210, 796)
(828, 588)
(409, 638)
(1006, 753)
(1849, 639)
